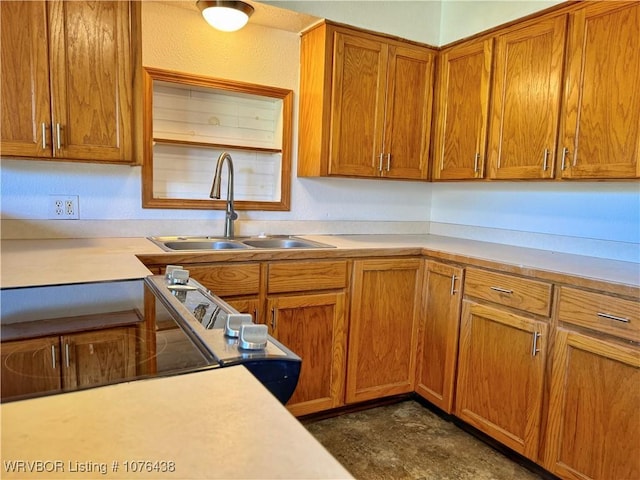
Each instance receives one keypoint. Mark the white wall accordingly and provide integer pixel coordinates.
(593, 218)
(599, 219)
(463, 18)
(177, 38)
(394, 17)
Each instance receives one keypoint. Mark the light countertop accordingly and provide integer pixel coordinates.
(67, 261)
(29, 263)
(214, 424)
(545, 264)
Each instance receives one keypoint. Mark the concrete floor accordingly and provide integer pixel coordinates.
(408, 441)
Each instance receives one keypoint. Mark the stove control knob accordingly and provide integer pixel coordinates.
(253, 337)
(179, 277)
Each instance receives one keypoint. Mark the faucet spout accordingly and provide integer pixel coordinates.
(230, 215)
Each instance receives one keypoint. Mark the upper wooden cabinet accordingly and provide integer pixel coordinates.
(462, 111)
(600, 131)
(526, 100)
(67, 80)
(365, 105)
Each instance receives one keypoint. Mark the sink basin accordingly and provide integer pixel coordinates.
(279, 242)
(203, 245)
(210, 243)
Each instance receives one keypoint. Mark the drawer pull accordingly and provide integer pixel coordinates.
(453, 285)
(273, 319)
(66, 351)
(613, 317)
(380, 161)
(476, 159)
(53, 356)
(534, 348)
(502, 290)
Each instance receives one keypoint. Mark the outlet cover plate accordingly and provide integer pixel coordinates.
(64, 207)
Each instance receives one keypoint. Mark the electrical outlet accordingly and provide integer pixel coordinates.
(64, 207)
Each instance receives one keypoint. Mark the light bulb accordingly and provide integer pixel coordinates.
(227, 16)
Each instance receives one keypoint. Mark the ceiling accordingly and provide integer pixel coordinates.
(265, 15)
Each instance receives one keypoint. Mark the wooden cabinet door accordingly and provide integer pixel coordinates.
(440, 325)
(91, 80)
(99, 357)
(385, 306)
(247, 305)
(407, 129)
(463, 111)
(526, 100)
(600, 134)
(358, 96)
(24, 82)
(592, 430)
(30, 366)
(313, 327)
(500, 375)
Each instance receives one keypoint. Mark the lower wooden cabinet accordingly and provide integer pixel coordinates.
(313, 326)
(30, 366)
(93, 358)
(67, 362)
(439, 328)
(500, 375)
(593, 425)
(593, 430)
(384, 316)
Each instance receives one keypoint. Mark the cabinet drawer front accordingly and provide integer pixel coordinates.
(228, 280)
(603, 313)
(304, 276)
(524, 294)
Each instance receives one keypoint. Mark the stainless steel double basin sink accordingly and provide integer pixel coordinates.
(172, 244)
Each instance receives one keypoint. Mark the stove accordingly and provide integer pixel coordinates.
(195, 329)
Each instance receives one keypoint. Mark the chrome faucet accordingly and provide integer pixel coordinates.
(231, 214)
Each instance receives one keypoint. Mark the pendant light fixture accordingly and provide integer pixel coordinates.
(225, 15)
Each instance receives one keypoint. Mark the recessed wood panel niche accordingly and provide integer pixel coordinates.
(190, 120)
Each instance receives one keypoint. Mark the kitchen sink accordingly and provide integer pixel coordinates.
(204, 245)
(283, 242)
(238, 243)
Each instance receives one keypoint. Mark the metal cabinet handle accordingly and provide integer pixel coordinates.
(53, 356)
(453, 285)
(58, 136)
(545, 159)
(388, 161)
(502, 290)
(380, 161)
(273, 319)
(565, 152)
(66, 354)
(534, 349)
(613, 317)
(44, 136)
(476, 160)
(255, 315)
